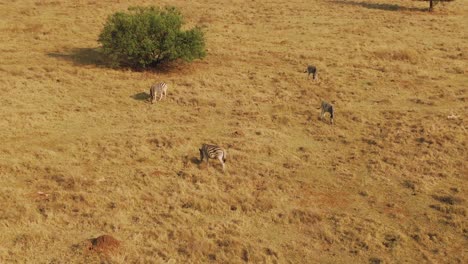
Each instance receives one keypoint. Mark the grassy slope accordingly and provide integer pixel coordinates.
(387, 182)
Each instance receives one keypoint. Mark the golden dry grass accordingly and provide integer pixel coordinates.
(82, 154)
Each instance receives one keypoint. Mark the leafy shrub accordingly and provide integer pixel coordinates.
(147, 36)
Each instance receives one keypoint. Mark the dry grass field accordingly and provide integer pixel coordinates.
(82, 154)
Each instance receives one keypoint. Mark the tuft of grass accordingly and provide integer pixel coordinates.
(398, 54)
(82, 150)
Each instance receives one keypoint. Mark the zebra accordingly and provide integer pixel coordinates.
(311, 70)
(158, 88)
(327, 108)
(213, 152)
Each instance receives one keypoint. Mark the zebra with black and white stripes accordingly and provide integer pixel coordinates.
(158, 89)
(213, 152)
(327, 108)
(311, 70)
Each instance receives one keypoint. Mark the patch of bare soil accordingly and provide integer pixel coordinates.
(104, 244)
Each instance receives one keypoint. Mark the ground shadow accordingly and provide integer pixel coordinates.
(387, 7)
(195, 160)
(95, 57)
(141, 96)
(83, 56)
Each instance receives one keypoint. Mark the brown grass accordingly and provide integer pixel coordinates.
(83, 154)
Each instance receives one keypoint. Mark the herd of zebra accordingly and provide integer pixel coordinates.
(208, 151)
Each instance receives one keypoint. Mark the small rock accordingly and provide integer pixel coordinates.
(363, 193)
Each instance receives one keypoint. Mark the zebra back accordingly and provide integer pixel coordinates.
(213, 151)
(328, 108)
(157, 88)
(311, 69)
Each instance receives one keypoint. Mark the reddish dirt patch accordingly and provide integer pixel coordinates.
(103, 244)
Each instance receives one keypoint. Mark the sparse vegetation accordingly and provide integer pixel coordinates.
(91, 173)
(148, 36)
(433, 3)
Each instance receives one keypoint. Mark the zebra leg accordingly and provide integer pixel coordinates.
(201, 156)
(152, 95)
(221, 160)
(160, 97)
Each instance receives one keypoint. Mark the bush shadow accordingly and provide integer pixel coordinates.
(95, 57)
(168, 67)
(83, 57)
(386, 7)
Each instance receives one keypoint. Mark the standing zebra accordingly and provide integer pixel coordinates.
(212, 152)
(158, 88)
(311, 70)
(327, 108)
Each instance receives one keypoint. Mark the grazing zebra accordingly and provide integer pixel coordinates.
(212, 152)
(311, 70)
(327, 108)
(158, 88)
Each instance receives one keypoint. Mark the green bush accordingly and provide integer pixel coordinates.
(147, 36)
